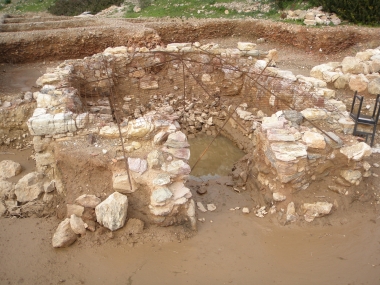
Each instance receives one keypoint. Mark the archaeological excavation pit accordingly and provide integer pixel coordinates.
(111, 134)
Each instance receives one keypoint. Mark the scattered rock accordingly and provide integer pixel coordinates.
(112, 212)
(315, 210)
(201, 207)
(77, 225)
(291, 213)
(49, 186)
(211, 207)
(352, 176)
(64, 236)
(245, 210)
(6, 189)
(278, 197)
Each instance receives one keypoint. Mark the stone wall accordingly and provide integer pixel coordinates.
(156, 98)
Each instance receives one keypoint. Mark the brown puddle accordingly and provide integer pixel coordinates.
(219, 158)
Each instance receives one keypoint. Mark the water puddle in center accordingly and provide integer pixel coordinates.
(219, 158)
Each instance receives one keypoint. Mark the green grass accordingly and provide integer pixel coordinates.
(196, 9)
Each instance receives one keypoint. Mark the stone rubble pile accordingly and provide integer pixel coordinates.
(313, 17)
(33, 194)
(359, 73)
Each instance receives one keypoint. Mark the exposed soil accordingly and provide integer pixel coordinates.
(230, 247)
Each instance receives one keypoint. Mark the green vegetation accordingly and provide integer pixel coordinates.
(356, 11)
(76, 7)
(204, 9)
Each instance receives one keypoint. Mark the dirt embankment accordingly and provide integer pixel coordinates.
(23, 40)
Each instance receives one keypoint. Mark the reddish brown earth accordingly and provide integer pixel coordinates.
(230, 247)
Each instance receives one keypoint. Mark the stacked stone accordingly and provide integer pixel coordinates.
(313, 17)
(299, 155)
(360, 73)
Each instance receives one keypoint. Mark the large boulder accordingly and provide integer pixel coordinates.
(64, 236)
(358, 83)
(9, 168)
(29, 187)
(112, 212)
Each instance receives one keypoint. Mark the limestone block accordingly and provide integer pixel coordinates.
(317, 83)
(177, 167)
(352, 65)
(88, 201)
(48, 78)
(357, 151)
(137, 165)
(139, 128)
(286, 74)
(182, 153)
(347, 125)
(245, 46)
(177, 140)
(120, 183)
(374, 86)
(162, 179)
(112, 212)
(341, 81)
(313, 114)
(318, 70)
(272, 123)
(121, 50)
(288, 151)
(330, 76)
(160, 196)
(366, 55)
(49, 186)
(29, 187)
(358, 83)
(44, 158)
(280, 135)
(161, 210)
(64, 236)
(314, 140)
(155, 159)
(9, 168)
(49, 124)
(77, 225)
(352, 176)
(376, 57)
(328, 93)
(315, 210)
(179, 190)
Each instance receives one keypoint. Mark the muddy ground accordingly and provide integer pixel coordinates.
(230, 247)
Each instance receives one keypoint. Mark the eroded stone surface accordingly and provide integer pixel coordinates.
(112, 212)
